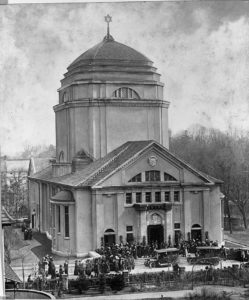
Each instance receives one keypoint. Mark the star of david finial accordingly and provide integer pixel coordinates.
(108, 19)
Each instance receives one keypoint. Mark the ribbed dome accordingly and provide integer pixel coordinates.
(108, 49)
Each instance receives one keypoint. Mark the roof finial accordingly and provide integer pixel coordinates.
(108, 19)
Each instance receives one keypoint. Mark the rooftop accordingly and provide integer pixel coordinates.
(111, 50)
(100, 169)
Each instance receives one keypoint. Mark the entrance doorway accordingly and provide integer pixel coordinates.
(109, 237)
(155, 234)
(196, 232)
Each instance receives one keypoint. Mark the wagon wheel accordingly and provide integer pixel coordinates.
(152, 264)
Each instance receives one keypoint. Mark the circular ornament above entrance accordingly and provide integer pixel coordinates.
(152, 161)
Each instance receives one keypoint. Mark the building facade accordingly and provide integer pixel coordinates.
(114, 179)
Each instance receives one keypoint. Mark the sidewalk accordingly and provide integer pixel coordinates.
(24, 255)
(24, 259)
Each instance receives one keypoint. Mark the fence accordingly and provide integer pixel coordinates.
(170, 280)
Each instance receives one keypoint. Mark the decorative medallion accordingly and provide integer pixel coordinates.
(152, 160)
(156, 219)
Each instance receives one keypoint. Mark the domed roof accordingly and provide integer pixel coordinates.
(109, 49)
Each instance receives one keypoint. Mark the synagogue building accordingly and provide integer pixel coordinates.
(114, 179)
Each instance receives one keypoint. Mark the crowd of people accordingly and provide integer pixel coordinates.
(46, 267)
(115, 258)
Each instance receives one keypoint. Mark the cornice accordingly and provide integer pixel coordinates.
(112, 102)
(115, 82)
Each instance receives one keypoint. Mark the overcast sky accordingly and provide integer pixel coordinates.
(200, 48)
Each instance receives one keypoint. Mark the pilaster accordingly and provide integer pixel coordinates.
(142, 230)
(206, 212)
(169, 219)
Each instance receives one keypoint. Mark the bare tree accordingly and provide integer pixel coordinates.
(38, 151)
(15, 193)
(222, 155)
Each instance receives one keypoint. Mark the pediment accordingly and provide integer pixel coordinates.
(151, 162)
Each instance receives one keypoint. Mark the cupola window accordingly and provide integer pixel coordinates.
(125, 93)
(168, 177)
(65, 97)
(136, 178)
(152, 176)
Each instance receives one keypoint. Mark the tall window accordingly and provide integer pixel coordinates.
(177, 225)
(152, 176)
(138, 197)
(53, 190)
(129, 234)
(125, 93)
(148, 197)
(128, 198)
(157, 196)
(167, 196)
(137, 178)
(59, 218)
(176, 196)
(66, 221)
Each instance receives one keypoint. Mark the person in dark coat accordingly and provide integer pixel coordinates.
(53, 269)
(25, 234)
(61, 271)
(76, 268)
(66, 267)
(30, 234)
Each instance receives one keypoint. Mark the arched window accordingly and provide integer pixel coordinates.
(109, 237)
(61, 156)
(168, 177)
(125, 93)
(196, 233)
(65, 97)
(109, 231)
(136, 178)
(152, 176)
(196, 226)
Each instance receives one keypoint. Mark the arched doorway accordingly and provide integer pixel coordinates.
(196, 232)
(109, 237)
(155, 231)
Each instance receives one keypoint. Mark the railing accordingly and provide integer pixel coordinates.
(171, 280)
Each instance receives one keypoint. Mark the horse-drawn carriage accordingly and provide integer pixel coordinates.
(163, 258)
